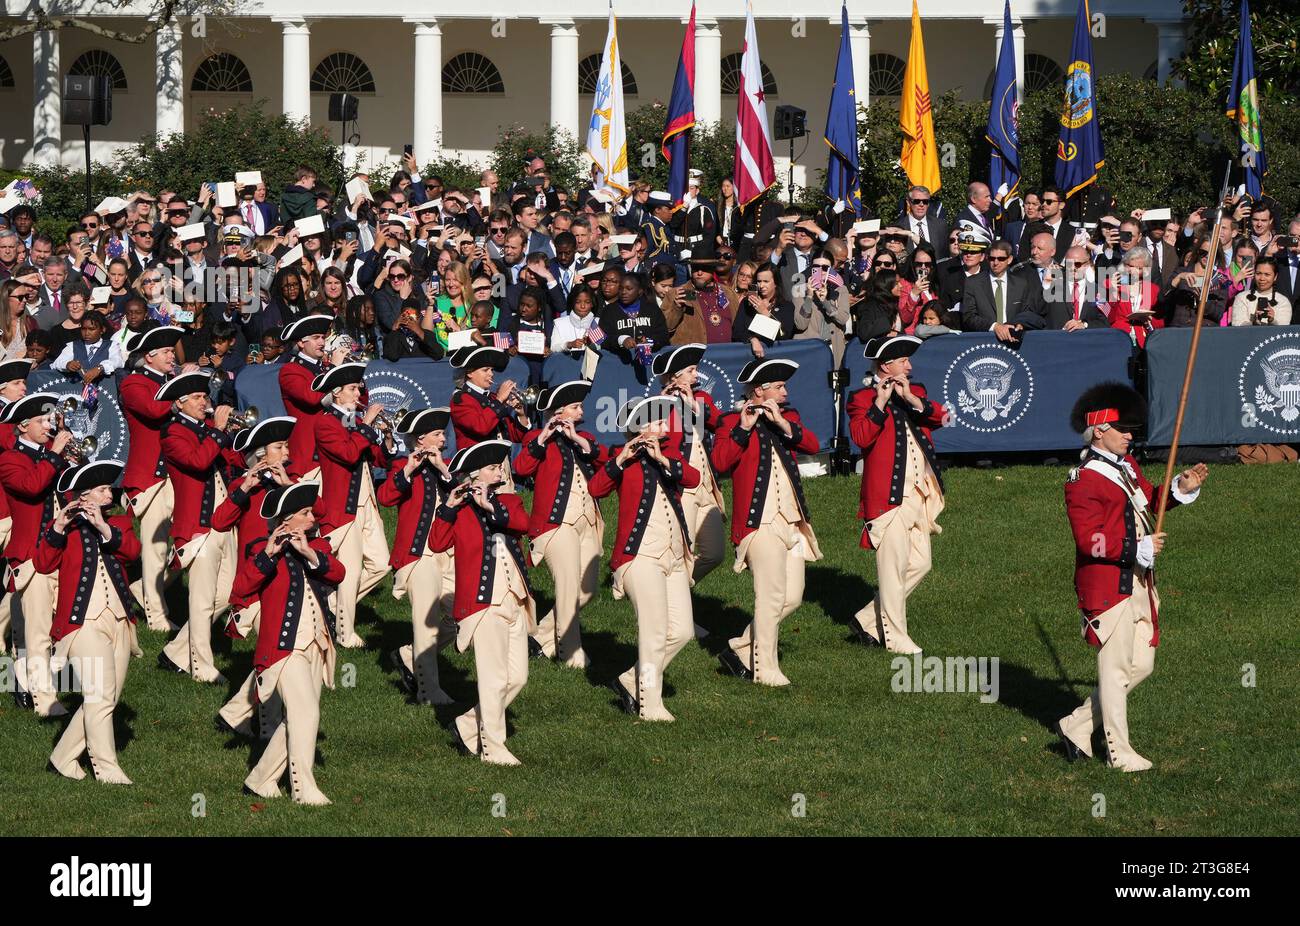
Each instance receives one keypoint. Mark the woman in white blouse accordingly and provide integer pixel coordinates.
(1260, 304)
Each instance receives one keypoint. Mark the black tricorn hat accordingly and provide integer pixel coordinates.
(1113, 403)
(288, 499)
(423, 420)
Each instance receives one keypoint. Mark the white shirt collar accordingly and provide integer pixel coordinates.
(477, 389)
(23, 440)
(1113, 458)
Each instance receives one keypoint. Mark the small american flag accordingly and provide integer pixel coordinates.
(595, 335)
(90, 397)
(503, 340)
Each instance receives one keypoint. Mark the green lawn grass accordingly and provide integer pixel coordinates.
(865, 759)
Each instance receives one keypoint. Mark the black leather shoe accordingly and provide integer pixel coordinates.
(862, 636)
(168, 666)
(404, 675)
(535, 649)
(1072, 752)
(625, 699)
(731, 662)
(23, 700)
(456, 740)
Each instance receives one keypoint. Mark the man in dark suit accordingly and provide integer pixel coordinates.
(978, 203)
(1052, 206)
(952, 274)
(1164, 259)
(1069, 300)
(917, 219)
(996, 301)
(1288, 264)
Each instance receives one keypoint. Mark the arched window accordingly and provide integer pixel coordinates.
(470, 72)
(588, 69)
(885, 74)
(99, 63)
(1042, 73)
(342, 72)
(6, 75)
(221, 73)
(731, 76)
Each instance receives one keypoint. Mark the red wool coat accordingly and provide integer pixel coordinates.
(195, 455)
(1104, 526)
(28, 476)
(302, 403)
(144, 423)
(747, 456)
(280, 582)
(882, 436)
(416, 500)
(74, 556)
(552, 465)
(476, 417)
(344, 453)
(637, 485)
(467, 529)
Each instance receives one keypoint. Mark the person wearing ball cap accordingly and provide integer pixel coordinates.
(347, 442)
(151, 358)
(27, 474)
(417, 484)
(305, 337)
(902, 493)
(1110, 505)
(201, 467)
(770, 523)
(494, 607)
(651, 561)
(94, 620)
(293, 573)
(265, 449)
(566, 528)
(477, 412)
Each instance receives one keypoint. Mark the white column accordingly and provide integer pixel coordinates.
(296, 63)
(169, 80)
(1018, 36)
(47, 99)
(564, 75)
(708, 71)
(1171, 43)
(427, 132)
(860, 46)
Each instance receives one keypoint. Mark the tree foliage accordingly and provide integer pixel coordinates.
(1213, 27)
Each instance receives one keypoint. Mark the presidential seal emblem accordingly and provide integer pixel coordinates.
(397, 392)
(1269, 384)
(99, 416)
(988, 388)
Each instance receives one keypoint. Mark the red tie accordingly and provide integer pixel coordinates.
(249, 216)
(58, 303)
(1078, 298)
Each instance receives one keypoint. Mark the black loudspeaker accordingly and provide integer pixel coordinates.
(87, 100)
(790, 123)
(343, 107)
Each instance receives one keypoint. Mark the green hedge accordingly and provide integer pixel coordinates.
(1165, 146)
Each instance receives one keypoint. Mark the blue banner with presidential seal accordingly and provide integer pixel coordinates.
(92, 411)
(1245, 388)
(1009, 398)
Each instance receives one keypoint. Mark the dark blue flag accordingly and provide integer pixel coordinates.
(842, 181)
(1243, 108)
(1003, 131)
(1079, 152)
(681, 118)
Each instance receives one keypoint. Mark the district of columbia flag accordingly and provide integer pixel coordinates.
(754, 171)
(920, 158)
(607, 131)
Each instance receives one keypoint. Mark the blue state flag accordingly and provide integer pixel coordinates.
(1003, 130)
(842, 179)
(1079, 152)
(1243, 109)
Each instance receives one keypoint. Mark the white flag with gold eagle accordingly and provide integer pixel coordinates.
(607, 131)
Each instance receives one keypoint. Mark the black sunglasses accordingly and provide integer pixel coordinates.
(920, 202)
(146, 233)
(90, 225)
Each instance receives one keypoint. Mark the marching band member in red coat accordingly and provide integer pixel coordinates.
(200, 465)
(302, 401)
(566, 528)
(651, 560)
(494, 606)
(678, 372)
(1107, 500)
(265, 448)
(770, 524)
(152, 353)
(94, 624)
(28, 474)
(292, 573)
(902, 493)
(13, 386)
(346, 444)
(417, 485)
(478, 413)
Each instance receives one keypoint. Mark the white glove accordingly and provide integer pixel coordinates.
(1146, 553)
(838, 207)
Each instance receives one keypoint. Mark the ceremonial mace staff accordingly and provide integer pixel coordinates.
(1191, 353)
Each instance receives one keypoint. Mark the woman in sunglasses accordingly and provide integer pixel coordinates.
(823, 311)
(917, 285)
(877, 315)
(1190, 281)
